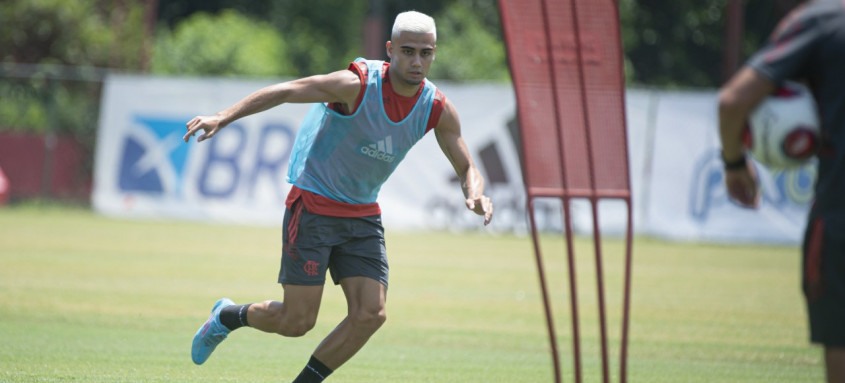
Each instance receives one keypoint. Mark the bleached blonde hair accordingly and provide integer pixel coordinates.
(413, 21)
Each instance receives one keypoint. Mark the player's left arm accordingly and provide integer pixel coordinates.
(448, 133)
(744, 91)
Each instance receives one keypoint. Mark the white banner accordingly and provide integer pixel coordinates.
(143, 169)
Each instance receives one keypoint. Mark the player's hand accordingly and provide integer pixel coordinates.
(743, 187)
(481, 206)
(210, 125)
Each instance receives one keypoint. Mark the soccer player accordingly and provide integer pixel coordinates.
(808, 45)
(364, 121)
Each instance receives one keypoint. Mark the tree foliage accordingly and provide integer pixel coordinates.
(317, 41)
(82, 32)
(321, 35)
(63, 38)
(225, 44)
(467, 48)
(681, 43)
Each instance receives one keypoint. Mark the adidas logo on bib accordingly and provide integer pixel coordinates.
(381, 150)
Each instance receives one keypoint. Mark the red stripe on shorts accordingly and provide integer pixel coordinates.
(293, 224)
(813, 266)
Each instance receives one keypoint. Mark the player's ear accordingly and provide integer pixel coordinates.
(387, 47)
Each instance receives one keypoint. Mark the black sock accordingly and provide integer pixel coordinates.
(314, 372)
(234, 316)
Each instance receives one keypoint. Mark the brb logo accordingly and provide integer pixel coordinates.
(237, 163)
(153, 156)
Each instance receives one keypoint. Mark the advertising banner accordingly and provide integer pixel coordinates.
(143, 169)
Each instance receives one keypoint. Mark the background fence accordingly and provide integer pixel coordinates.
(48, 128)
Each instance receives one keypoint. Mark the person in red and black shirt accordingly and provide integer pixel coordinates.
(364, 121)
(807, 46)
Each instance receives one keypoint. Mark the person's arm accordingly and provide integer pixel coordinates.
(341, 86)
(448, 133)
(737, 99)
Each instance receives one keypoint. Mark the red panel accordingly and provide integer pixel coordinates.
(528, 54)
(22, 157)
(604, 88)
(571, 108)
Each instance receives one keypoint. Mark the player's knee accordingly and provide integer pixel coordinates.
(296, 329)
(370, 319)
(296, 326)
(293, 323)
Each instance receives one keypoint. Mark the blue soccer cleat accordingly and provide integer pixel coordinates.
(210, 334)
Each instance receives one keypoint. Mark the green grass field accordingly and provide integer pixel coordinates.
(85, 298)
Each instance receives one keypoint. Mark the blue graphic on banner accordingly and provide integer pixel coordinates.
(784, 190)
(154, 156)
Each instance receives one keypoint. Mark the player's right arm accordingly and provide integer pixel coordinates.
(448, 134)
(341, 86)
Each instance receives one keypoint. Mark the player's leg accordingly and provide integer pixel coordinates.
(834, 358)
(304, 264)
(365, 314)
(824, 290)
(306, 245)
(359, 265)
(292, 317)
(366, 299)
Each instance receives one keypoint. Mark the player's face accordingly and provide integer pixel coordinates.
(411, 55)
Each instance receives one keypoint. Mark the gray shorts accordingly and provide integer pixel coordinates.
(347, 247)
